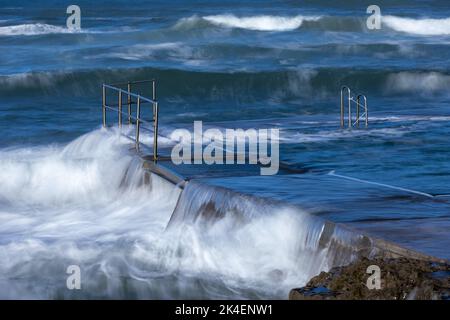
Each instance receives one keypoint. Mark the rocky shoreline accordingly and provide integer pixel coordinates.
(400, 279)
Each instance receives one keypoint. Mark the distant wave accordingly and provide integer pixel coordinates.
(430, 27)
(260, 23)
(256, 23)
(250, 86)
(310, 22)
(267, 23)
(33, 29)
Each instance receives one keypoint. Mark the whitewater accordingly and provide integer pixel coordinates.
(86, 204)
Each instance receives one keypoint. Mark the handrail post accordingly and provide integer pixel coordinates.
(104, 105)
(155, 122)
(367, 112)
(366, 108)
(357, 110)
(138, 118)
(120, 109)
(349, 111)
(153, 90)
(155, 131)
(342, 108)
(129, 102)
(349, 107)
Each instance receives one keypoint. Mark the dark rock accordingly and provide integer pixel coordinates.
(401, 279)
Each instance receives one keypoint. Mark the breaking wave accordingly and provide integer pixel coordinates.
(422, 26)
(259, 23)
(247, 86)
(426, 27)
(264, 23)
(255, 23)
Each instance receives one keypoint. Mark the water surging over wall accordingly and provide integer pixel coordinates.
(88, 204)
(264, 243)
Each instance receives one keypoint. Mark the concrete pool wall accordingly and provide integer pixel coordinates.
(322, 244)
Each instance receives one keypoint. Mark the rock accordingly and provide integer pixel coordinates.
(401, 279)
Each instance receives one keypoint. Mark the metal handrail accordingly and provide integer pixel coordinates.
(349, 105)
(124, 113)
(358, 107)
(131, 82)
(140, 99)
(131, 94)
(366, 110)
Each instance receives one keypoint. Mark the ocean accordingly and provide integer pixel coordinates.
(72, 193)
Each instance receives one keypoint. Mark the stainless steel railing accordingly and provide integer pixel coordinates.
(345, 90)
(365, 114)
(133, 99)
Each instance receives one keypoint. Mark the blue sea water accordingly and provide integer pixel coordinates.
(231, 64)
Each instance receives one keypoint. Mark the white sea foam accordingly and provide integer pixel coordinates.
(430, 27)
(85, 204)
(325, 136)
(67, 205)
(401, 118)
(33, 29)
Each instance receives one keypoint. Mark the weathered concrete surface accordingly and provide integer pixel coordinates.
(401, 279)
(367, 247)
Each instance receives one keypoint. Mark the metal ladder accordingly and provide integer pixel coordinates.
(133, 99)
(365, 114)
